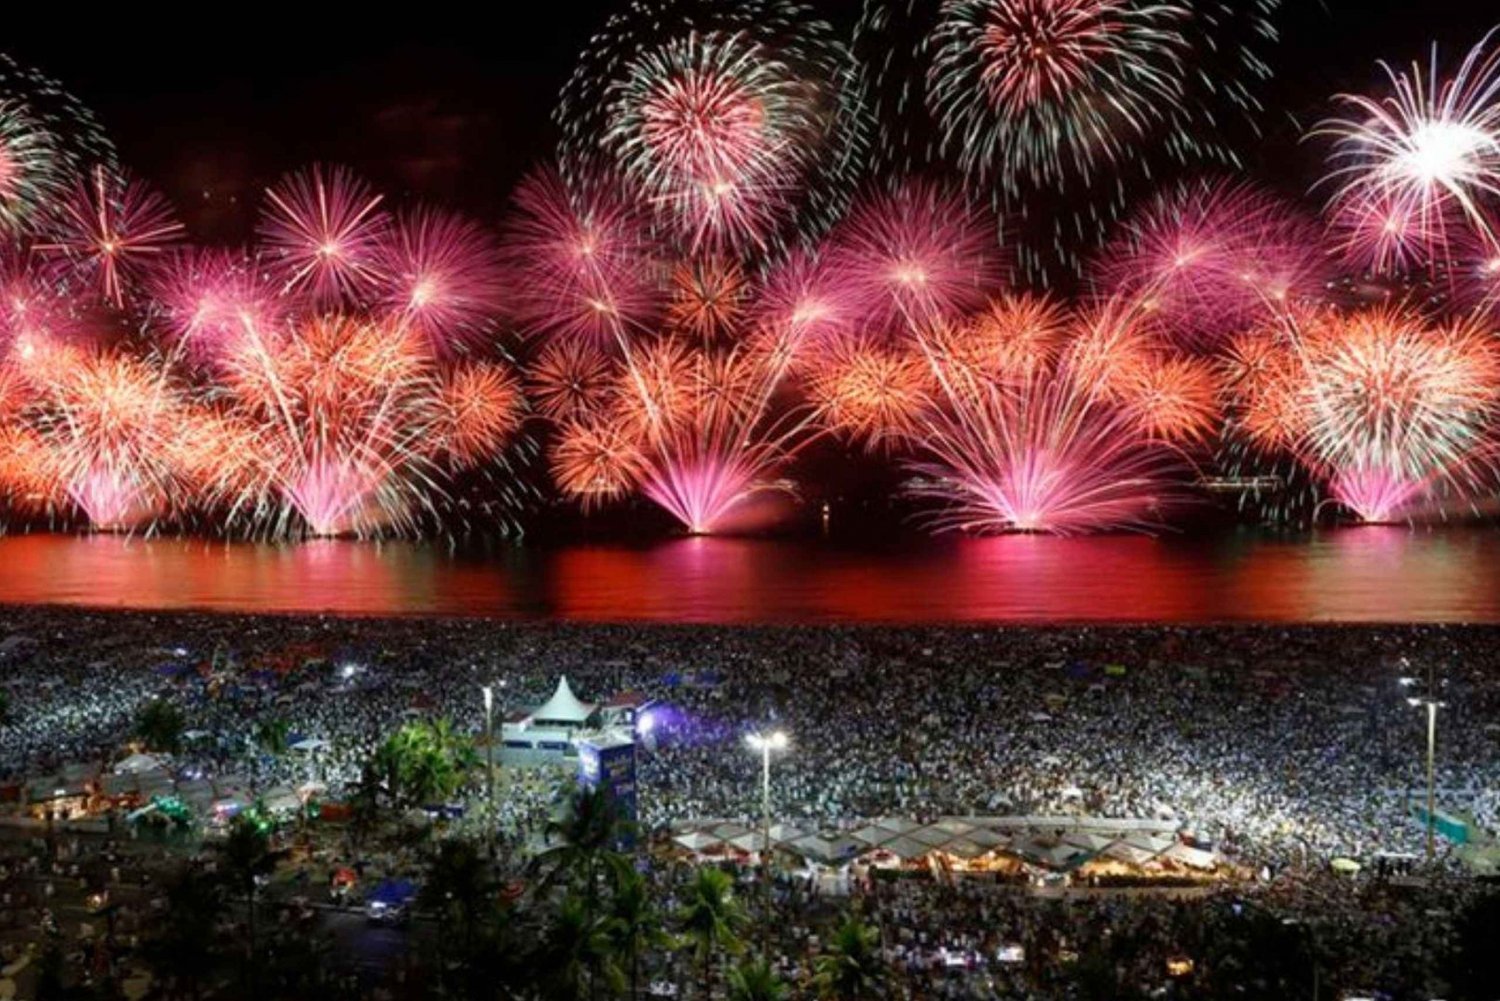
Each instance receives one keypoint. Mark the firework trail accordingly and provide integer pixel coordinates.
(1045, 456)
(104, 429)
(47, 139)
(738, 124)
(345, 422)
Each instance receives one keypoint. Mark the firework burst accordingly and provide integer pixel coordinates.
(346, 423)
(1211, 258)
(442, 277)
(323, 232)
(916, 255)
(1426, 152)
(1390, 412)
(107, 231)
(46, 139)
(580, 261)
(737, 123)
(1045, 456)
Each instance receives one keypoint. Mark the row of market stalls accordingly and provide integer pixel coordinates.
(1065, 845)
(142, 784)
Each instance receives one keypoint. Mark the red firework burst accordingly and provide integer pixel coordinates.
(708, 297)
(106, 230)
(323, 231)
(1011, 338)
(873, 394)
(480, 408)
(595, 463)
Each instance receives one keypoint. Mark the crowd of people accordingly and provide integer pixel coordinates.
(1283, 747)
(1278, 745)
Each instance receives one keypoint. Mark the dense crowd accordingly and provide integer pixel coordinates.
(1276, 744)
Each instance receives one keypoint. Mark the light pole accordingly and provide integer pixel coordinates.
(765, 744)
(1432, 705)
(489, 752)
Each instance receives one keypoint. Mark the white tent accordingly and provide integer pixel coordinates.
(138, 763)
(1196, 858)
(563, 707)
(309, 744)
(699, 841)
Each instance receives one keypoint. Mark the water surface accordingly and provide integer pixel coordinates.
(1365, 574)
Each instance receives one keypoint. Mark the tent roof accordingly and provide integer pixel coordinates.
(563, 707)
(137, 763)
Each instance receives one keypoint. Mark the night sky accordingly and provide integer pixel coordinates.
(450, 107)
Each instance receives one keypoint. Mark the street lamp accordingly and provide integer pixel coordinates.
(1432, 705)
(765, 744)
(489, 751)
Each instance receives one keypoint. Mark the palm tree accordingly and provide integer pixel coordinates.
(270, 739)
(182, 947)
(581, 839)
(247, 857)
(461, 886)
(851, 967)
(636, 920)
(159, 726)
(578, 952)
(711, 919)
(754, 980)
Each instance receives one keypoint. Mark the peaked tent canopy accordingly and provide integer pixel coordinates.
(563, 707)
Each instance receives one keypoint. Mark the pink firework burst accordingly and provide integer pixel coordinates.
(323, 230)
(1382, 233)
(706, 482)
(1476, 274)
(1210, 258)
(211, 299)
(443, 278)
(915, 255)
(1428, 150)
(579, 261)
(801, 310)
(107, 229)
(1048, 456)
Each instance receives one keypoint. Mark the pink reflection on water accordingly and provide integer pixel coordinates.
(1354, 574)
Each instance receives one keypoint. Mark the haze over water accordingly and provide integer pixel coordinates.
(1366, 574)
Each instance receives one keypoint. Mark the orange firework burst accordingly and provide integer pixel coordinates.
(480, 407)
(568, 380)
(1174, 399)
(351, 418)
(708, 297)
(1010, 339)
(595, 463)
(873, 394)
(1111, 349)
(109, 424)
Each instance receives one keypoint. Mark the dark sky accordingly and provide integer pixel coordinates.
(447, 105)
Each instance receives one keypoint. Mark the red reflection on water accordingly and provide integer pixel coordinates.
(1356, 574)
